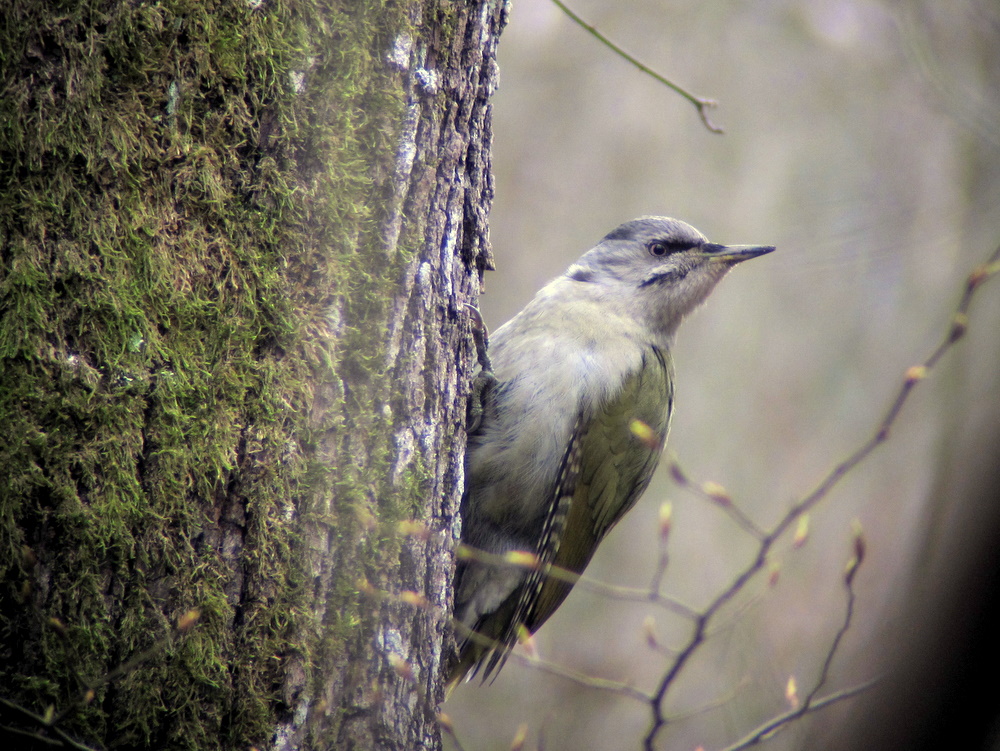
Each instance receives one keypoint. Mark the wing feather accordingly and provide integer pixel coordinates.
(604, 470)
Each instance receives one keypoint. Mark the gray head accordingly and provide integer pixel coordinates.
(658, 268)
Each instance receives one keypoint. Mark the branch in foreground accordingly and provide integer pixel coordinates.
(770, 727)
(959, 324)
(704, 620)
(47, 732)
(528, 560)
(811, 703)
(580, 679)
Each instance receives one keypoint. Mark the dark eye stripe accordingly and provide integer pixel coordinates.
(666, 247)
(666, 277)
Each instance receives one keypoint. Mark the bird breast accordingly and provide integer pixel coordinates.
(548, 376)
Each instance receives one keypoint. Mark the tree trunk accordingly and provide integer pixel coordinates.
(236, 244)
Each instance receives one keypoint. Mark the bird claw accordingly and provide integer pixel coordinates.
(484, 381)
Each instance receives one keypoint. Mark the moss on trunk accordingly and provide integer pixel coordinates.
(194, 309)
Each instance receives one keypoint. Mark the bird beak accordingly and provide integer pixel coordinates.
(734, 253)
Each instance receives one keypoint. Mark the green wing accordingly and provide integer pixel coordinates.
(606, 466)
(615, 466)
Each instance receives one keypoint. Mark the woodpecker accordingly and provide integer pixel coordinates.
(569, 421)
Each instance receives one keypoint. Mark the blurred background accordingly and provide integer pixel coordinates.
(863, 140)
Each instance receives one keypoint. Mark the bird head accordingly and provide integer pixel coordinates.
(657, 269)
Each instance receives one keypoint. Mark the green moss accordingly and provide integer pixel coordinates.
(176, 223)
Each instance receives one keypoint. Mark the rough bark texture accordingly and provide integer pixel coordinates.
(236, 242)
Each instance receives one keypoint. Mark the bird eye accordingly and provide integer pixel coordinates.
(658, 249)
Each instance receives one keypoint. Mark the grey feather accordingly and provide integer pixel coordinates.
(553, 461)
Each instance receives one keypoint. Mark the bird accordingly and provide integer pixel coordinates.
(568, 419)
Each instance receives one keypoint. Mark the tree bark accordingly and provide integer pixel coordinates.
(237, 240)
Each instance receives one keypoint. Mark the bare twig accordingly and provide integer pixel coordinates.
(811, 703)
(49, 723)
(700, 103)
(718, 496)
(526, 560)
(959, 324)
(770, 727)
(62, 740)
(581, 679)
(35, 738)
(449, 729)
(703, 621)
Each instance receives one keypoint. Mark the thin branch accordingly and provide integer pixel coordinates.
(776, 724)
(717, 495)
(186, 622)
(769, 727)
(581, 679)
(959, 324)
(528, 561)
(703, 621)
(700, 103)
(35, 737)
(64, 740)
(50, 722)
(444, 721)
